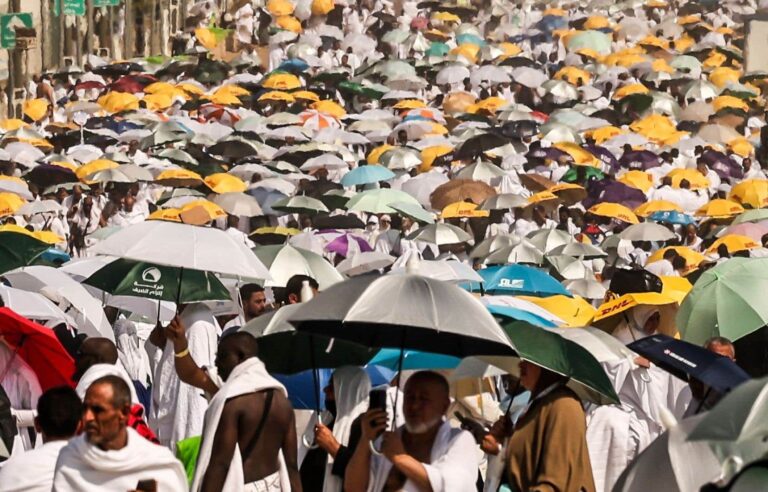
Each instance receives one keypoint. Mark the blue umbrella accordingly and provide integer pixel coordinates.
(672, 217)
(54, 256)
(551, 22)
(413, 359)
(294, 65)
(470, 39)
(520, 315)
(684, 360)
(266, 199)
(519, 280)
(366, 175)
(301, 386)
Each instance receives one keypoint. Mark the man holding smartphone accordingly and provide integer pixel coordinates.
(426, 454)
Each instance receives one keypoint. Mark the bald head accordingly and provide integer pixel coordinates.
(101, 349)
(233, 350)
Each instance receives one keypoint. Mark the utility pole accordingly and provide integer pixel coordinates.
(130, 30)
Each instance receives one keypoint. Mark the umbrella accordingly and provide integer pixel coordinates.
(553, 352)
(751, 216)
(725, 301)
(365, 262)
(38, 347)
(574, 311)
(139, 279)
(18, 250)
(672, 217)
(240, 204)
(548, 239)
(452, 74)
(300, 205)
(284, 261)
(445, 270)
(460, 190)
(504, 201)
(719, 209)
(352, 310)
(413, 360)
(379, 201)
(440, 234)
(686, 360)
(578, 250)
(647, 231)
(615, 211)
(519, 280)
(522, 310)
(348, 244)
(184, 246)
(521, 252)
(607, 316)
(493, 243)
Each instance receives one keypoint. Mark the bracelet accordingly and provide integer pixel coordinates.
(181, 354)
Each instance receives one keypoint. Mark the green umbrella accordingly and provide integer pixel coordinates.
(360, 90)
(416, 212)
(18, 250)
(139, 279)
(756, 215)
(589, 172)
(277, 338)
(300, 204)
(378, 201)
(553, 352)
(593, 40)
(728, 301)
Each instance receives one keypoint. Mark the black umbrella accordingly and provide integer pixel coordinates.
(325, 221)
(474, 147)
(686, 360)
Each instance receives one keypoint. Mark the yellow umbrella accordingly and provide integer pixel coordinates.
(615, 211)
(10, 203)
(637, 179)
(306, 96)
(375, 154)
(191, 89)
(630, 89)
(233, 89)
(692, 258)
(575, 311)
(159, 101)
(37, 142)
(580, 156)
(573, 75)
(16, 229)
(569, 193)
(696, 180)
(225, 183)
(179, 177)
(160, 86)
(683, 43)
(48, 237)
(468, 51)
(68, 165)
(604, 133)
(721, 76)
(446, 17)
(661, 65)
(115, 102)
(279, 230)
(556, 11)
(410, 104)
(12, 124)
(200, 212)
(689, 19)
(589, 53)
(462, 209)
(330, 108)
(714, 60)
(596, 22)
(675, 287)
(430, 154)
(206, 38)
(608, 315)
(289, 23)
(649, 208)
(224, 98)
(654, 41)
(734, 243)
(656, 4)
(36, 109)
(491, 104)
(624, 60)
(94, 166)
(542, 196)
(719, 209)
(322, 7)
(655, 127)
(510, 49)
(280, 7)
(167, 214)
(742, 147)
(277, 96)
(752, 192)
(282, 81)
(722, 102)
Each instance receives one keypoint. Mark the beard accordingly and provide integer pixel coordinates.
(422, 427)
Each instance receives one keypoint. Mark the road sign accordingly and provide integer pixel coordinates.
(73, 7)
(8, 25)
(106, 3)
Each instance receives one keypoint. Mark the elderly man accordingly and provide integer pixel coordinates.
(109, 455)
(58, 419)
(426, 454)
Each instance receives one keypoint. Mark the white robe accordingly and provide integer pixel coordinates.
(249, 376)
(31, 471)
(131, 352)
(452, 468)
(178, 408)
(98, 371)
(83, 466)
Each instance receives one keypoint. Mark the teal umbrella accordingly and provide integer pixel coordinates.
(727, 300)
(379, 201)
(593, 40)
(125, 277)
(300, 204)
(438, 49)
(18, 250)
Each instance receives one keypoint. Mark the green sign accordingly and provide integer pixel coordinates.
(106, 3)
(8, 25)
(73, 7)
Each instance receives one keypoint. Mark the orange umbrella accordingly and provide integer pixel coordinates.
(720, 209)
(615, 211)
(462, 209)
(648, 208)
(734, 243)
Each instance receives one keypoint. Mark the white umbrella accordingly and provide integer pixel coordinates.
(34, 306)
(41, 207)
(452, 74)
(585, 287)
(522, 252)
(445, 270)
(647, 231)
(440, 234)
(489, 73)
(324, 161)
(68, 294)
(239, 204)
(523, 305)
(493, 243)
(184, 246)
(603, 346)
(529, 77)
(284, 261)
(361, 263)
(481, 171)
(548, 239)
(17, 187)
(570, 268)
(421, 186)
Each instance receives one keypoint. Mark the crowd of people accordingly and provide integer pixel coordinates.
(571, 164)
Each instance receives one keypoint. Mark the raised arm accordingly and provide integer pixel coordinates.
(359, 468)
(186, 368)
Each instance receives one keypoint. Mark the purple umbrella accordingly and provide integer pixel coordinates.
(724, 166)
(341, 245)
(605, 156)
(613, 192)
(551, 153)
(639, 159)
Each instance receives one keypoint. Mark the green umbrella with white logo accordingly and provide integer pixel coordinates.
(140, 279)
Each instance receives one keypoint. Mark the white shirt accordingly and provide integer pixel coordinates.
(31, 471)
(661, 268)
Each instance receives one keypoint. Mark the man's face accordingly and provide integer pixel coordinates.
(721, 349)
(226, 360)
(86, 357)
(87, 204)
(256, 304)
(102, 422)
(424, 405)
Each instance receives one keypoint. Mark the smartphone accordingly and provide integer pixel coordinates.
(377, 399)
(148, 485)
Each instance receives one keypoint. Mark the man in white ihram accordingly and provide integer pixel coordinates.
(425, 454)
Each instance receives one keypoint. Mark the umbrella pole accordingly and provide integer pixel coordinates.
(178, 293)
(13, 356)
(399, 380)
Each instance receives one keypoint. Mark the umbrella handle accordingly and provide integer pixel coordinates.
(375, 451)
(308, 444)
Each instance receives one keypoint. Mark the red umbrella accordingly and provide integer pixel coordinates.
(38, 347)
(91, 84)
(132, 83)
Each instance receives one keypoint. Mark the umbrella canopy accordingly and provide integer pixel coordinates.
(519, 280)
(352, 310)
(440, 234)
(131, 278)
(366, 175)
(686, 360)
(725, 301)
(647, 231)
(184, 246)
(379, 201)
(460, 190)
(300, 204)
(38, 347)
(285, 261)
(364, 262)
(18, 250)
